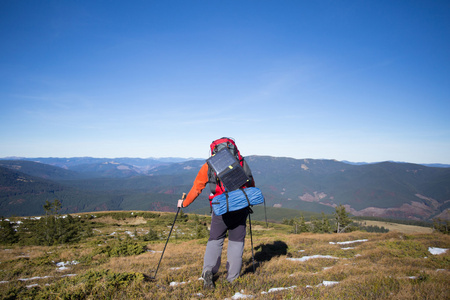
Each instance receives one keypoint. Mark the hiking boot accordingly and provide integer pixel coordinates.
(208, 280)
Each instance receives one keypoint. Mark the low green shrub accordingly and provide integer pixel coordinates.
(8, 234)
(152, 235)
(94, 284)
(405, 248)
(125, 247)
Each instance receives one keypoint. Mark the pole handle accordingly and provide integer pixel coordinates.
(180, 202)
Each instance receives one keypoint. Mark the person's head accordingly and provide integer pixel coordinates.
(224, 142)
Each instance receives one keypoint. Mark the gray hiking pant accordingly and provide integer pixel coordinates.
(235, 223)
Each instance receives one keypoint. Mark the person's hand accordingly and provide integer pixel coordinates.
(180, 202)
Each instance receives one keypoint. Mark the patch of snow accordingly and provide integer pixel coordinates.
(436, 251)
(272, 290)
(347, 248)
(67, 263)
(177, 268)
(324, 283)
(129, 233)
(240, 295)
(3, 282)
(32, 285)
(69, 275)
(33, 278)
(62, 266)
(305, 258)
(348, 242)
(329, 283)
(174, 283)
(153, 251)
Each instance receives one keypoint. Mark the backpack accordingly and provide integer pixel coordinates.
(215, 184)
(225, 142)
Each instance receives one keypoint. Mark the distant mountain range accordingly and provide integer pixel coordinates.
(400, 162)
(96, 166)
(386, 189)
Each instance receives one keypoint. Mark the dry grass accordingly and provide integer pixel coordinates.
(129, 221)
(399, 227)
(386, 266)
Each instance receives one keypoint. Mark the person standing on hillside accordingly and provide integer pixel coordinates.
(233, 222)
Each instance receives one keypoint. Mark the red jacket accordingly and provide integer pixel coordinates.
(199, 184)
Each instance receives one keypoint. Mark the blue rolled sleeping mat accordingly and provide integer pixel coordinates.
(237, 199)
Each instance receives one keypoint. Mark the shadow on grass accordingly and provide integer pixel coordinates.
(265, 252)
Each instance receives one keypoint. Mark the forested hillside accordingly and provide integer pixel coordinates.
(387, 189)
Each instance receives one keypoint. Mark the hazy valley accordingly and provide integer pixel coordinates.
(386, 189)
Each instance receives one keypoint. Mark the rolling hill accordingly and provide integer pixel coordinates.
(386, 189)
(24, 194)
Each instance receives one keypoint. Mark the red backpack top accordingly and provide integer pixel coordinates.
(221, 143)
(216, 186)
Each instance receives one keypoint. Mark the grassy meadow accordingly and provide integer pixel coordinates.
(399, 227)
(118, 259)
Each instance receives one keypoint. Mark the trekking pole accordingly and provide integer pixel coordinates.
(251, 238)
(162, 254)
(265, 212)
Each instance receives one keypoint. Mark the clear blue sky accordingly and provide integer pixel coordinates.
(347, 80)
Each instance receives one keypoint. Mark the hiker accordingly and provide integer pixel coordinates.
(234, 221)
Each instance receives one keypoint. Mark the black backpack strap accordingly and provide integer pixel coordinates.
(246, 197)
(213, 180)
(248, 172)
(250, 210)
